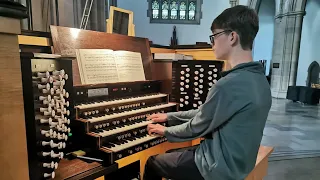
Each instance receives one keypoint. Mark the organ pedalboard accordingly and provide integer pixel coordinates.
(113, 116)
(192, 80)
(47, 81)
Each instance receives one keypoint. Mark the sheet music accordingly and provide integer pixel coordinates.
(97, 66)
(129, 65)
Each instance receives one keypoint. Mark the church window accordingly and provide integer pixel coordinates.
(175, 11)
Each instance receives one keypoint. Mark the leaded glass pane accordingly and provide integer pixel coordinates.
(155, 9)
(174, 10)
(165, 10)
(183, 8)
(192, 10)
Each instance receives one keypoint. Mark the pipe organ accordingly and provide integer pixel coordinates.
(47, 91)
(113, 116)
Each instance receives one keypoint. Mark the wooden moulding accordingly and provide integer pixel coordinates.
(66, 40)
(13, 147)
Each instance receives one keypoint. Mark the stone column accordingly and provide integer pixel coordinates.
(285, 53)
(13, 148)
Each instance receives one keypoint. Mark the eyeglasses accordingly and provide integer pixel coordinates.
(215, 35)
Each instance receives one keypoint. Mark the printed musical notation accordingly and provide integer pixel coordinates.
(108, 66)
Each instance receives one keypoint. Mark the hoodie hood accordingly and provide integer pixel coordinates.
(255, 67)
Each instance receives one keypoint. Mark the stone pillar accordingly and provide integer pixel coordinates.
(13, 145)
(285, 53)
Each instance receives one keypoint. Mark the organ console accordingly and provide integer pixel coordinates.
(107, 121)
(48, 109)
(114, 116)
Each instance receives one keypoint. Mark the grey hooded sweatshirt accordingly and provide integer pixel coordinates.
(232, 119)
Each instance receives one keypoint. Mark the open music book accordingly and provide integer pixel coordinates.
(108, 66)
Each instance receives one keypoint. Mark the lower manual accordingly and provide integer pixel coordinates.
(129, 146)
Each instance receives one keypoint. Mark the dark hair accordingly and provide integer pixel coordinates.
(240, 19)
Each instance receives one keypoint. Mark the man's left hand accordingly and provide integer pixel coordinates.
(156, 128)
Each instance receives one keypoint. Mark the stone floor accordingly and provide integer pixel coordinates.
(292, 128)
(294, 169)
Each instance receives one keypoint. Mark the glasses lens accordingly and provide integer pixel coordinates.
(212, 40)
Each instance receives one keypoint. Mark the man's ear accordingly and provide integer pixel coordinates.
(233, 38)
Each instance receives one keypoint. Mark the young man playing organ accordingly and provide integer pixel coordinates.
(233, 117)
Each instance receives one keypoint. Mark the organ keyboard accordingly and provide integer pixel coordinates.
(113, 116)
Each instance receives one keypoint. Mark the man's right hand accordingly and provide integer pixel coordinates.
(158, 118)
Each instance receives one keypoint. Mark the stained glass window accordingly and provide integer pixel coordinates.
(192, 10)
(174, 10)
(165, 10)
(155, 9)
(183, 8)
(234, 3)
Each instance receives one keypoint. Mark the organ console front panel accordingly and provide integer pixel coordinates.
(47, 86)
(113, 116)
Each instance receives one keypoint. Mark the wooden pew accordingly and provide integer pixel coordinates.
(261, 168)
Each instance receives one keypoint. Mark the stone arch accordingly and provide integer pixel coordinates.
(313, 73)
(287, 6)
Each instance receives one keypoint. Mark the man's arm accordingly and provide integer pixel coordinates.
(217, 109)
(175, 118)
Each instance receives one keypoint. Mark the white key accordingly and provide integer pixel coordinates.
(132, 143)
(128, 113)
(107, 103)
(123, 129)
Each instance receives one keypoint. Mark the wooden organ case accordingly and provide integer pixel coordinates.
(110, 118)
(47, 90)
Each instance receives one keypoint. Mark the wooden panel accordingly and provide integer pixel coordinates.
(144, 155)
(162, 70)
(10, 25)
(13, 150)
(66, 40)
(198, 54)
(162, 50)
(33, 40)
